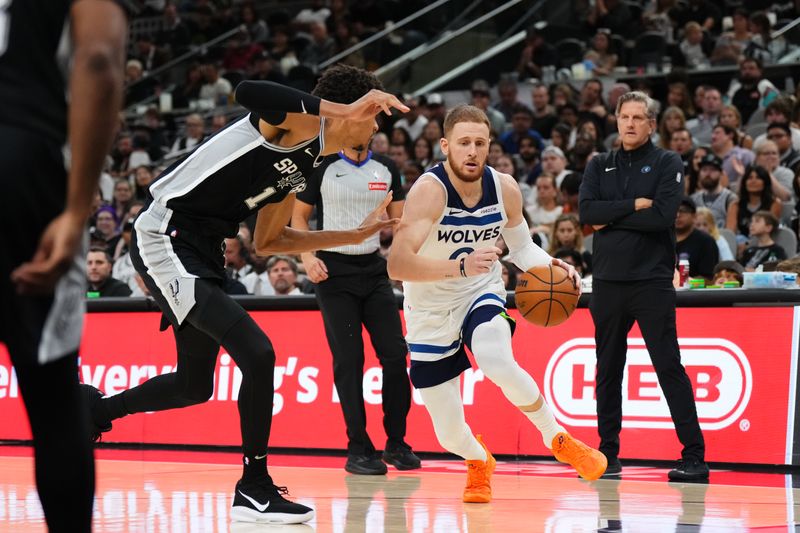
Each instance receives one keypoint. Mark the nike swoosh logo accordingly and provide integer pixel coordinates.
(340, 175)
(259, 457)
(260, 507)
(609, 169)
(455, 211)
(303, 106)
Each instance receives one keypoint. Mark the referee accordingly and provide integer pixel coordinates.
(631, 197)
(354, 289)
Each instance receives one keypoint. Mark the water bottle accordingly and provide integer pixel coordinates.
(683, 269)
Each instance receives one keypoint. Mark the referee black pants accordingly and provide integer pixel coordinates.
(358, 292)
(651, 303)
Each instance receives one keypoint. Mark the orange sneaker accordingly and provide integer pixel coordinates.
(479, 476)
(590, 463)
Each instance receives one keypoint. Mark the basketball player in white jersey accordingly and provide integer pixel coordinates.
(444, 251)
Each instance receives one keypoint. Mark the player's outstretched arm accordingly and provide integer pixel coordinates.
(289, 109)
(423, 206)
(95, 98)
(273, 236)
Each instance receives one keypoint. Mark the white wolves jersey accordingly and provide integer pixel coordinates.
(458, 231)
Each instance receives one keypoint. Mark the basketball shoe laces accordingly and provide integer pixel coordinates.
(577, 454)
(476, 474)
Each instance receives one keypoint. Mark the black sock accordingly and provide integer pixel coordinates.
(255, 468)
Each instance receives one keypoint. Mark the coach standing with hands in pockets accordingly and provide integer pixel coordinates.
(631, 197)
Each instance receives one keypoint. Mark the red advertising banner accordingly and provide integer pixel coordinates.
(741, 362)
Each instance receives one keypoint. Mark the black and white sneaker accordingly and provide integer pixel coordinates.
(92, 396)
(264, 502)
(690, 469)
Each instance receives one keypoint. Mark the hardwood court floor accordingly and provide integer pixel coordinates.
(191, 492)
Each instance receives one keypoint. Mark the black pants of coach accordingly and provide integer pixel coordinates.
(358, 292)
(651, 303)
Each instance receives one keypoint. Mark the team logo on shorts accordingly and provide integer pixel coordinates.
(646, 169)
(174, 287)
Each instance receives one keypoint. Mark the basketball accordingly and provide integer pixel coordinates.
(545, 295)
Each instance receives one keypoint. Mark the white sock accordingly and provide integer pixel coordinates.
(444, 404)
(545, 422)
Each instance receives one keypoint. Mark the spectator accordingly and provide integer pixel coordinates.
(763, 226)
(567, 234)
(574, 258)
(681, 142)
(790, 265)
(601, 56)
(546, 210)
(344, 40)
(423, 152)
(563, 94)
(256, 26)
(237, 258)
(240, 53)
(434, 108)
(194, 135)
(702, 125)
(413, 122)
(767, 156)
(671, 120)
(521, 121)
(98, 274)
(726, 271)
(380, 144)
(400, 135)
(142, 178)
(554, 162)
(591, 103)
(751, 90)
(495, 151)
(283, 275)
(216, 88)
(612, 14)
(656, 17)
(732, 44)
(724, 143)
(121, 155)
(122, 197)
(137, 88)
(560, 135)
(762, 46)
(570, 188)
(148, 54)
(780, 110)
(544, 115)
(536, 53)
(218, 122)
(106, 229)
(433, 132)
(256, 282)
(480, 99)
(712, 194)
(529, 164)
(188, 91)
(693, 171)
(411, 171)
(123, 269)
(698, 246)
(781, 134)
(678, 96)
(692, 47)
(316, 12)
(568, 114)
(702, 12)
(755, 194)
(321, 47)
(399, 154)
(729, 116)
(174, 35)
(508, 103)
(704, 221)
(582, 152)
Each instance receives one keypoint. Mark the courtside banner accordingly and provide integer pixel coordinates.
(740, 361)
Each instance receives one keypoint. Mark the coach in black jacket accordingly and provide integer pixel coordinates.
(631, 198)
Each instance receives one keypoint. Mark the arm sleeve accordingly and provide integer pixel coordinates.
(661, 215)
(591, 208)
(521, 249)
(271, 101)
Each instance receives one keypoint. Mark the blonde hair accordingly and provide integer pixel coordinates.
(464, 113)
(663, 134)
(554, 244)
(708, 216)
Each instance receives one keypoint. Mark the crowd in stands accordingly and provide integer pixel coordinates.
(740, 144)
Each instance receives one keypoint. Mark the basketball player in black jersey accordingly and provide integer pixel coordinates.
(257, 163)
(43, 214)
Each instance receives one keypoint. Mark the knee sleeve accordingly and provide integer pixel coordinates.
(491, 346)
(443, 403)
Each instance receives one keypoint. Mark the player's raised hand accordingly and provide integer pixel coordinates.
(576, 277)
(53, 257)
(480, 261)
(373, 103)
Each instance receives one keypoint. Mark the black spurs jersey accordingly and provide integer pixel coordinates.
(233, 174)
(31, 82)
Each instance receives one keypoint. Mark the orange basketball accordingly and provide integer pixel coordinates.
(545, 295)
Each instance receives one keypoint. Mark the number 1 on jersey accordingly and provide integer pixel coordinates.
(253, 201)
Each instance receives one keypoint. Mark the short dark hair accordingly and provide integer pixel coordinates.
(729, 131)
(781, 126)
(571, 184)
(344, 84)
(100, 249)
(769, 218)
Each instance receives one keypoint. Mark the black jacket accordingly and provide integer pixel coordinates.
(634, 245)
